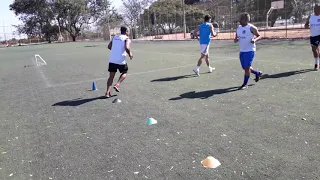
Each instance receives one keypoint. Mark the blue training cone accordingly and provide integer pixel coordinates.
(94, 86)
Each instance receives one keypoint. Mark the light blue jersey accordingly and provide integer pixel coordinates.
(205, 33)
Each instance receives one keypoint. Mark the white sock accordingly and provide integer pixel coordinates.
(316, 61)
(197, 68)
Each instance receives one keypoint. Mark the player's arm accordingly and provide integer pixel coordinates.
(110, 45)
(195, 32)
(255, 32)
(236, 38)
(214, 34)
(307, 25)
(127, 48)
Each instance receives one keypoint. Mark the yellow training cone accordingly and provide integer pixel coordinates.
(210, 162)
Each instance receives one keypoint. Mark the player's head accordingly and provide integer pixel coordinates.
(124, 30)
(317, 9)
(244, 18)
(207, 18)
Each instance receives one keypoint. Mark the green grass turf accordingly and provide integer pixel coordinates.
(52, 126)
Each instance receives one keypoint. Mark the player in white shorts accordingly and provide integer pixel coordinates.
(120, 47)
(313, 23)
(206, 30)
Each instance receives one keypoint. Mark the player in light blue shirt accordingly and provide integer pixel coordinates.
(206, 30)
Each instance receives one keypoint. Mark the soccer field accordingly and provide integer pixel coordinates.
(53, 127)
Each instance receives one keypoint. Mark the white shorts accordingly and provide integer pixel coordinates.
(205, 49)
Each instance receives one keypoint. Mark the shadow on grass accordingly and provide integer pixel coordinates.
(178, 77)
(205, 94)
(79, 101)
(90, 46)
(285, 74)
(174, 78)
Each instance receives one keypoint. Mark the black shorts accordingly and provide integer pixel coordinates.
(315, 41)
(123, 68)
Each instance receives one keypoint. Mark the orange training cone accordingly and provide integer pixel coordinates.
(210, 162)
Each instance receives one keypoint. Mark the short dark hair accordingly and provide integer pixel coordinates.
(245, 15)
(316, 6)
(207, 17)
(123, 29)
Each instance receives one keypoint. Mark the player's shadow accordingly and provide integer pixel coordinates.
(205, 94)
(285, 74)
(78, 102)
(174, 78)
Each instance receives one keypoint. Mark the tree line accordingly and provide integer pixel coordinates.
(46, 18)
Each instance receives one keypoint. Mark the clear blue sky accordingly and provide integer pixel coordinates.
(8, 18)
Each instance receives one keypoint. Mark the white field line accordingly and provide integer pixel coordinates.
(177, 67)
(132, 74)
(43, 76)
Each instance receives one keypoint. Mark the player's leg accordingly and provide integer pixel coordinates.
(257, 73)
(113, 70)
(204, 51)
(208, 63)
(245, 63)
(123, 70)
(109, 84)
(197, 69)
(315, 50)
(246, 78)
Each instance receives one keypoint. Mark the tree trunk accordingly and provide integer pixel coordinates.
(273, 18)
(73, 38)
(134, 34)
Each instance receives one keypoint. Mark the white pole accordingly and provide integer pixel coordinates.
(108, 22)
(184, 18)
(4, 32)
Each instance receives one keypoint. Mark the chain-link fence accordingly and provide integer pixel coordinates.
(287, 22)
(9, 36)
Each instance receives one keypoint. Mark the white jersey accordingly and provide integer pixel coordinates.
(245, 36)
(314, 25)
(118, 52)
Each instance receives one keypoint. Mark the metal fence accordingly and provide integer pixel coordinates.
(286, 23)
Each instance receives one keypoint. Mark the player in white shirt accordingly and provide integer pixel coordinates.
(247, 35)
(313, 22)
(120, 47)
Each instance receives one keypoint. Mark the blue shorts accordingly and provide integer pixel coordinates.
(246, 59)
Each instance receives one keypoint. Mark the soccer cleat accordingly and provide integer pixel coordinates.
(258, 76)
(211, 69)
(316, 67)
(197, 72)
(107, 95)
(117, 87)
(243, 87)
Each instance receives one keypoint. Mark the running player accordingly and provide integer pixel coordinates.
(247, 35)
(206, 30)
(313, 22)
(119, 46)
